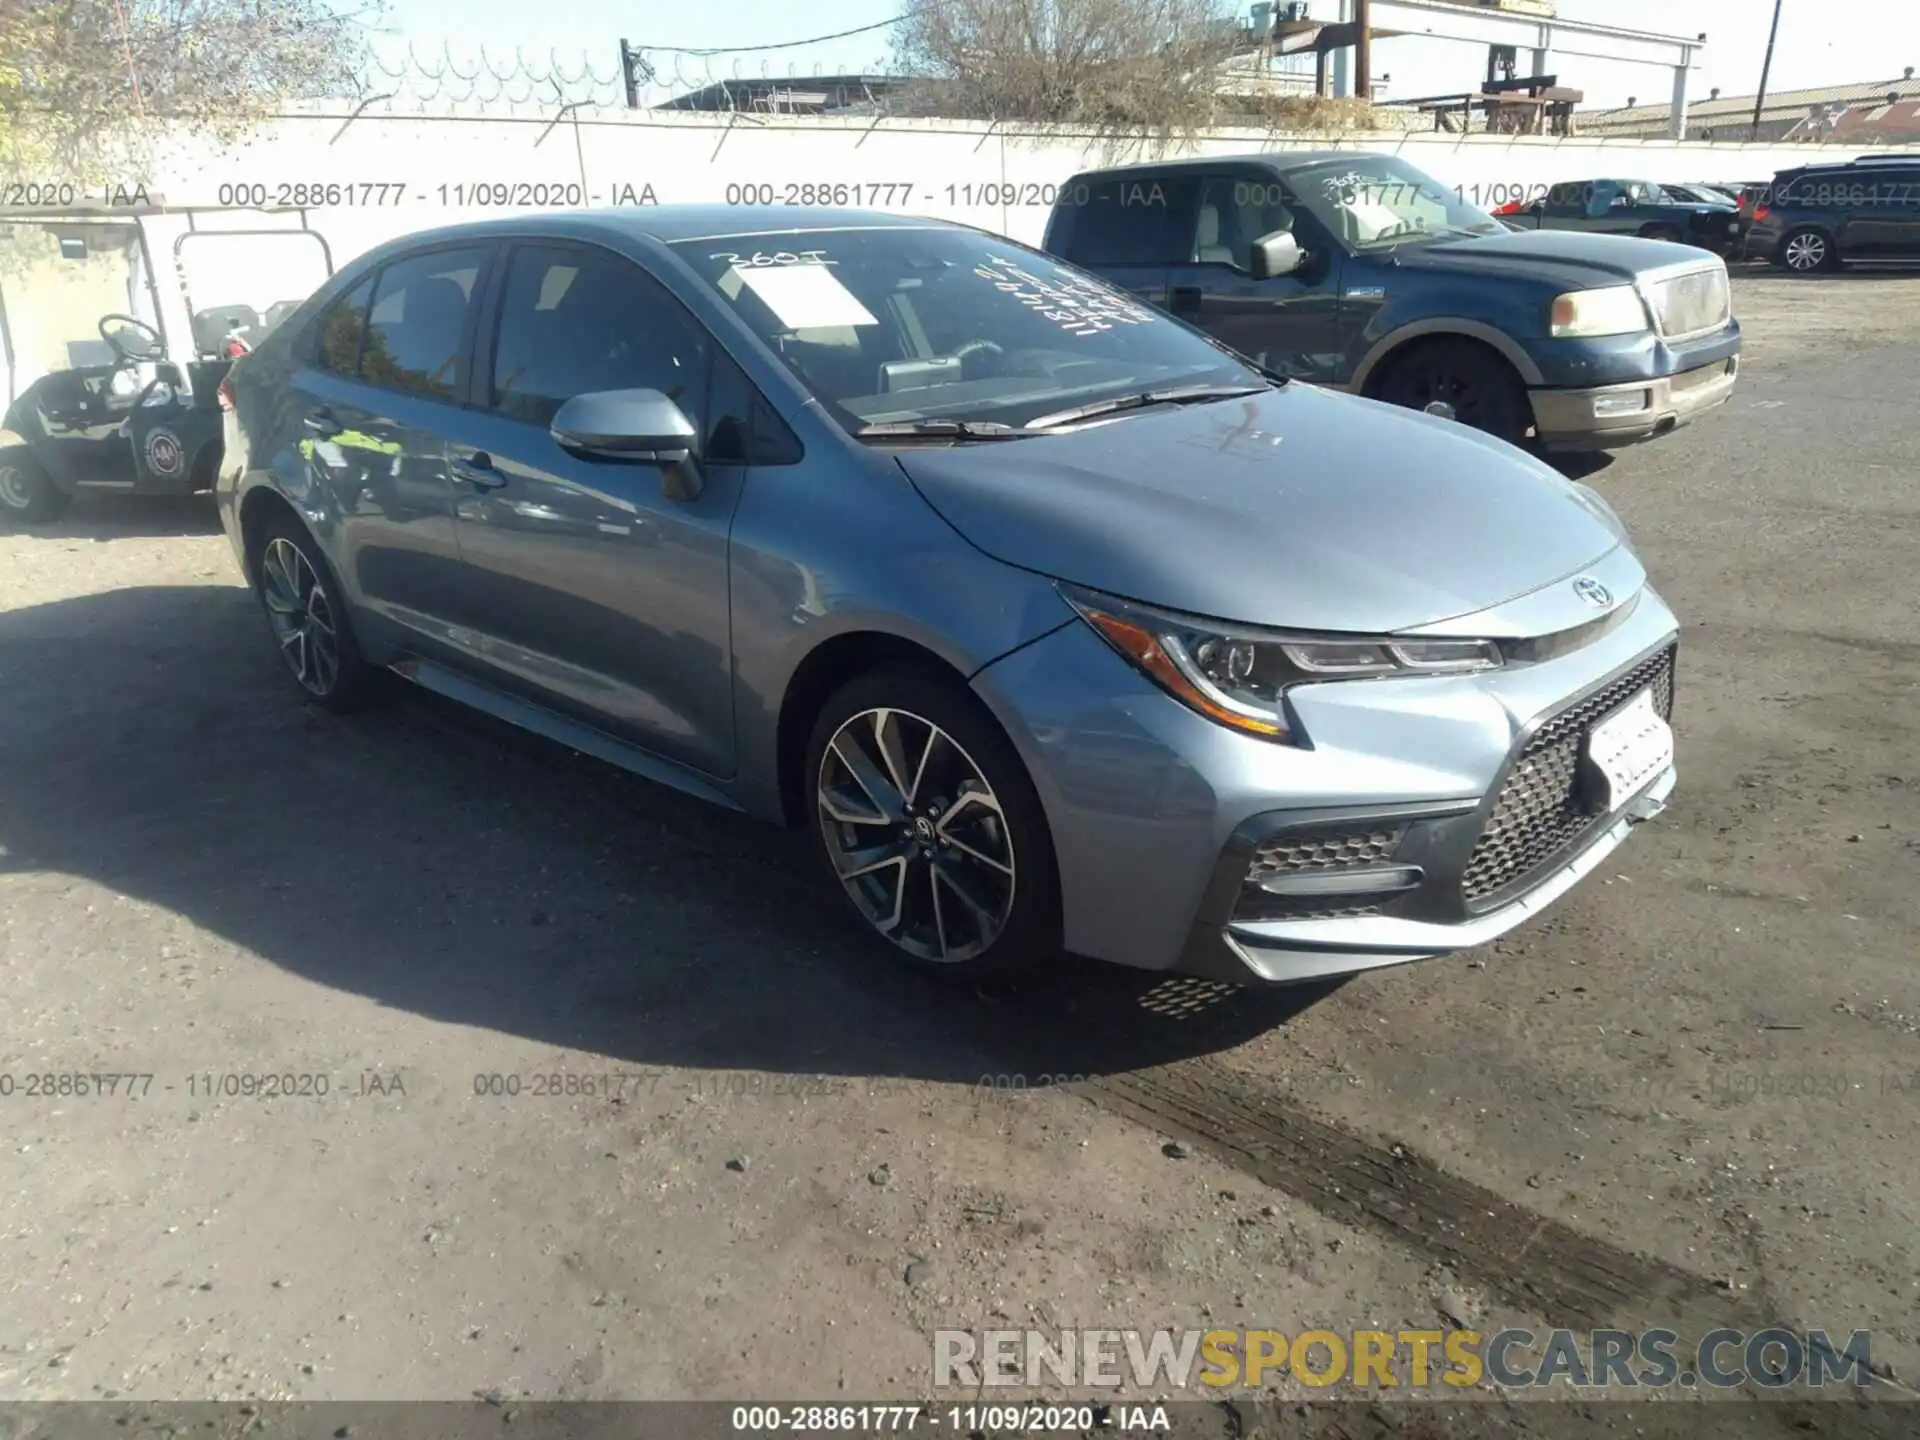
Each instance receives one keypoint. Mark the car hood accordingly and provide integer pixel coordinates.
(1564, 258)
(1298, 507)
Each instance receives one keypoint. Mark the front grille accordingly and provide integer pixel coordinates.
(1692, 303)
(1540, 815)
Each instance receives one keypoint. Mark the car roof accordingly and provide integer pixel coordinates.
(666, 224)
(1281, 161)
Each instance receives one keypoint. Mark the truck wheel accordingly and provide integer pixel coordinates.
(1476, 383)
(27, 492)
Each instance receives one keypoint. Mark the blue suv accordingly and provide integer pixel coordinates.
(1359, 271)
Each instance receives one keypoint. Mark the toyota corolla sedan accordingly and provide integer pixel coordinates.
(1051, 623)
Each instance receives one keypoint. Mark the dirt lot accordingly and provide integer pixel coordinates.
(1691, 1094)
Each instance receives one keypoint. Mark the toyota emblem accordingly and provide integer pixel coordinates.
(1593, 592)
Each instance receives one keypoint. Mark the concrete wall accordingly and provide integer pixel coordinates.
(414, 172)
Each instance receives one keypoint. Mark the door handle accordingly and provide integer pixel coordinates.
(322, 423)
(1184, 297)
(477, 470)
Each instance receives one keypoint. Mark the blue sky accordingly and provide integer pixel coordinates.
(1822, 42)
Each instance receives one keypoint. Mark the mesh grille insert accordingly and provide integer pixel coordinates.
(1539, 815)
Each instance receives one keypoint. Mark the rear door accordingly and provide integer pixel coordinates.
(1289, 323)
(384, 380)
(588, 589)
(1882, 210)
(1130, 228)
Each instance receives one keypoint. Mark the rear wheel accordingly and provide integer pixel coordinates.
(27, 492)
(924, 818)
(1805, 252)
(309, 620)
(1477, 385)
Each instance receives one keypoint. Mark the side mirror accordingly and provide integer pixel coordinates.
(640, 427)
(1274, 255)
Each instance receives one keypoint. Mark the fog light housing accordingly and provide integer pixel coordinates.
(1630, 402)
(1338, 873)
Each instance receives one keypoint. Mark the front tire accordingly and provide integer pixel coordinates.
(309, 619)
(1481, 388)
(1805, 252)
(921, 814)
(27, 492)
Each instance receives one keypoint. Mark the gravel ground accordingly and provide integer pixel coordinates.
(1700, 1075)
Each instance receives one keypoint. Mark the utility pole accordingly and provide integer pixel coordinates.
(630, 66)
(1363, 50)
(1766, 67)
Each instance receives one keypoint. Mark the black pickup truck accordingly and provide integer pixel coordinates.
(1628, 207)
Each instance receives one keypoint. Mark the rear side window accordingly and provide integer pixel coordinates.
(417, 326)
(574, 320)
(1129, 220)
(336, 339)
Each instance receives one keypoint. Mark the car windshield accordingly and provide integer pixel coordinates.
(1372, 201)
(903, 324)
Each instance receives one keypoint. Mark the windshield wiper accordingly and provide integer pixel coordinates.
(1188, 395)
(939, 430)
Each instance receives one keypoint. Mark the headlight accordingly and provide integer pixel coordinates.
(1616, 310)
(1239, 676)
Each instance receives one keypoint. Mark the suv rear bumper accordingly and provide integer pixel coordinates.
(1600, 418)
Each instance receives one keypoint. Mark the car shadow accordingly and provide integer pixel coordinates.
(438, 862)
(126, 517)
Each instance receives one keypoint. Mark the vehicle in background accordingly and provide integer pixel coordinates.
(1049, 622)
(1628, 207)
(113, 402)
(1815, 218)
(1359, 271)
(1693, 193)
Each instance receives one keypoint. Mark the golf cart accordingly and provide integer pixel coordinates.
(100, 396)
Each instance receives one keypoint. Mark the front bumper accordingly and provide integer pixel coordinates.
(1607, 417)
(1157, 813)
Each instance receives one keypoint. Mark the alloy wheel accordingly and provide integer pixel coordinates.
(1806, 252)
(916, 835)
(302, 616)
(14, 491)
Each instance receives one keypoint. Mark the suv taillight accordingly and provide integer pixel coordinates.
(226, 392)
(1760, 212)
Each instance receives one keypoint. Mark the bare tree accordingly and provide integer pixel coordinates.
(1134, 66)
(79, 78)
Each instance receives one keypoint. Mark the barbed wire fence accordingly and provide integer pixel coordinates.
(511, 81)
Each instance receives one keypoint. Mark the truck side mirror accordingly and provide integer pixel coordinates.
(1274, 255)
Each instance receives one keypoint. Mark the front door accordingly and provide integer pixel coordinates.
(587, 587)
(1288, 323)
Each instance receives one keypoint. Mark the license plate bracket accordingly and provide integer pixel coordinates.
(1628, 750)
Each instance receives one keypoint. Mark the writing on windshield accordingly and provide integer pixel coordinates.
(1078, 307)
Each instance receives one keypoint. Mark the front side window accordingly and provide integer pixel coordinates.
(574, 320)
(1234, 212)
(905, 323)
(1375, 201)
(416, 329)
